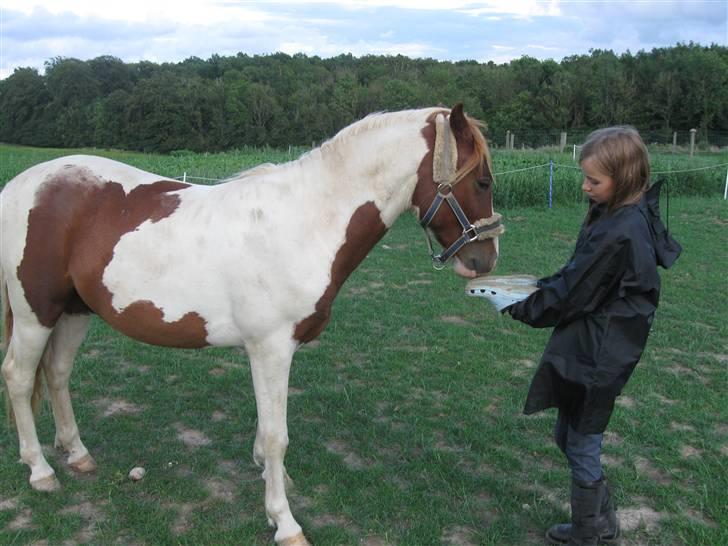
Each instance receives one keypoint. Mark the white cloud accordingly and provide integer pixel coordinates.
(34, 31)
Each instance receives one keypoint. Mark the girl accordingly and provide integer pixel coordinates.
(601, 305)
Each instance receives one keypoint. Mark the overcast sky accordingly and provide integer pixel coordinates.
(32, 32)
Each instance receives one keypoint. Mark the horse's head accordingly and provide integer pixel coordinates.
(457, 171)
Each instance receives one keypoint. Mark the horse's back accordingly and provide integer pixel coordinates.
(60, 223)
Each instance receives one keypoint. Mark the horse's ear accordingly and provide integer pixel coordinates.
(458, 122)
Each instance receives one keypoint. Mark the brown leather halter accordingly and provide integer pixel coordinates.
(444, 165)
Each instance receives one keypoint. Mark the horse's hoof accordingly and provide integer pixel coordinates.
(49, 484)
(84, 465)
(295, 540)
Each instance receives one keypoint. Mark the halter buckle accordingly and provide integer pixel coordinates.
(471, 233)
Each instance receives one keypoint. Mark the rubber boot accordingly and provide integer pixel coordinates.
(607, 523)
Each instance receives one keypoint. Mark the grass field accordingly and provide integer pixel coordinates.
(404, 417)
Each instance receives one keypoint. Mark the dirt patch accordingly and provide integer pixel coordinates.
(689, 452)
(91, 516)
(220, 490)
(715, 356)
(22, 522)
(681, 427)
(724, 450)
(191, 437)
(182, 524)
(700, 518)
(551, 496)
(351, 459)
(331, 520)
(454, 319)
(419, 282)
(374, 541)
(612, 439)
(218, 416)
(117, 406)
(645, 467)
(217, 372)
(294, 391)
(8, 504)
(611, 460)
(632, 519)
(664, 400)
(625, 402)
(458, 535)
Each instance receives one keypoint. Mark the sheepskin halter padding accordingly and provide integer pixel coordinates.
(445, 157)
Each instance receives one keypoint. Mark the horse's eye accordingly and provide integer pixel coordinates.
(485, 182)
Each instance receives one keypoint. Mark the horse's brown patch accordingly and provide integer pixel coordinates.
(365, 229)
(76, 222)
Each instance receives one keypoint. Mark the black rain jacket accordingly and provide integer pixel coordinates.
(601, 305)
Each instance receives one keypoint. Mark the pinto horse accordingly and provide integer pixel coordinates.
(254, 262)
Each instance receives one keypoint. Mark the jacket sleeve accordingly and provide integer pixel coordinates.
(580, 287)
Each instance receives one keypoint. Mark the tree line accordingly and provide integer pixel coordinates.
(277, 100)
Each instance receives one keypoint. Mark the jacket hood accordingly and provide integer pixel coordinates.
(667, 249)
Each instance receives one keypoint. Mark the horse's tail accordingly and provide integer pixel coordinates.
(7, 333)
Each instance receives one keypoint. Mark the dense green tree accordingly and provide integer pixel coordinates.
(24, 99)
(282, 99)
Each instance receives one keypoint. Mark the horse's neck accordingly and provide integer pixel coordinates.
(378, 166)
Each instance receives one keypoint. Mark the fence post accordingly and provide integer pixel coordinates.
(692, 141)
(725, 191)
(508, 140)
(513, 138)
(184, 176)
(562, 144)
(551, 181)
(674, 142)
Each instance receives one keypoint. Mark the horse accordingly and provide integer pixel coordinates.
(254, 262)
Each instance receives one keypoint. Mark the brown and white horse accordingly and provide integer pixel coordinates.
(254, 262)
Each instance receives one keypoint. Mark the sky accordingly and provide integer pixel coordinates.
(33, 32)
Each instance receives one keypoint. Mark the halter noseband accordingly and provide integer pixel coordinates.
(444, 165)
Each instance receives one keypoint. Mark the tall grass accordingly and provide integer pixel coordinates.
(529, 187)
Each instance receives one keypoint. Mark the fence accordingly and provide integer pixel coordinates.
(519, 187)
(666, 140)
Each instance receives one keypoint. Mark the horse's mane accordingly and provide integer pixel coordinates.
(378, 120)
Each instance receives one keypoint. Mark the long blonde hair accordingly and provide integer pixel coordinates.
(620, 153)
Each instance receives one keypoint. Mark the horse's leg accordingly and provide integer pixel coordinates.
(27, 343)
(270, 363)
(58, 358)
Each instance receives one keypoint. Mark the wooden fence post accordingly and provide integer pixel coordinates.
(692, 141)
(674, 142)
(562, 143)
(508, 140)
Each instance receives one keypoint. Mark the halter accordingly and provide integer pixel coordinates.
(444, 165)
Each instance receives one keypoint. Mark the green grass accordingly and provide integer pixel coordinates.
(405, 417)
